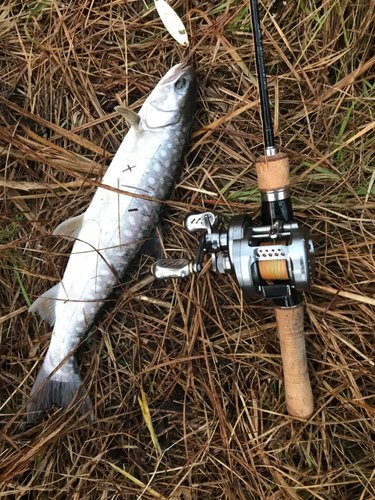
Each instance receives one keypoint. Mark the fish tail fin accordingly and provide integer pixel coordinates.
(64, 386)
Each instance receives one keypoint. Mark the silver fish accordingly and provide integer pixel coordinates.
(111, 233)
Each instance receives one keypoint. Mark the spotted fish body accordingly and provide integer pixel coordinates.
(111, 233)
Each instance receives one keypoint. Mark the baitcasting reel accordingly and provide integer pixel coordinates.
(268, 260)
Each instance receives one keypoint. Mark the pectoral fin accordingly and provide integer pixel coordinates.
(70, 228)
(130, 116)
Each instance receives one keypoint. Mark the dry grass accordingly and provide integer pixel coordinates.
(64, 66)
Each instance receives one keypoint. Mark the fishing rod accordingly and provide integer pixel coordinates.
(275, 260)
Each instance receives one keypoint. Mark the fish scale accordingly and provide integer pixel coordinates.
(111, 233)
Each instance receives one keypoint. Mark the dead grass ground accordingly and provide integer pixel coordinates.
(64, 66)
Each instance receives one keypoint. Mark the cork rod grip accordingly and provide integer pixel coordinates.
(298, 393)
(272, 172)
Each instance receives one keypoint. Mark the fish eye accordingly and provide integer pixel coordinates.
(181, 83)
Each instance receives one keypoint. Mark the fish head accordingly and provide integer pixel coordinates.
(173, 99)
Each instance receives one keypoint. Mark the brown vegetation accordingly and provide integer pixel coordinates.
(197, 343)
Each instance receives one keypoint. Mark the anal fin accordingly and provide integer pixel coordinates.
(45, 304)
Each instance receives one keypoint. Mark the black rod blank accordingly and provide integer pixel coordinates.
(269, 141)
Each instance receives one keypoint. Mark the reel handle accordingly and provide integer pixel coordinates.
(172, 268)
(298, 393)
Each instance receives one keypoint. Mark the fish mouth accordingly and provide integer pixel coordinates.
(178, 70)
(189, 68)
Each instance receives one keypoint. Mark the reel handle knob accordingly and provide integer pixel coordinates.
(172, 268)
(199, 222)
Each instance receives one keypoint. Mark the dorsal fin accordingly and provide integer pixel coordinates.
(130, 116)
(70, 228)
(155, 245)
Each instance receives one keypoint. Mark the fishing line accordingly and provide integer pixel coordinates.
(187, 54)
(276, 269)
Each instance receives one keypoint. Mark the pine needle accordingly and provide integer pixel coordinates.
(147, 418)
